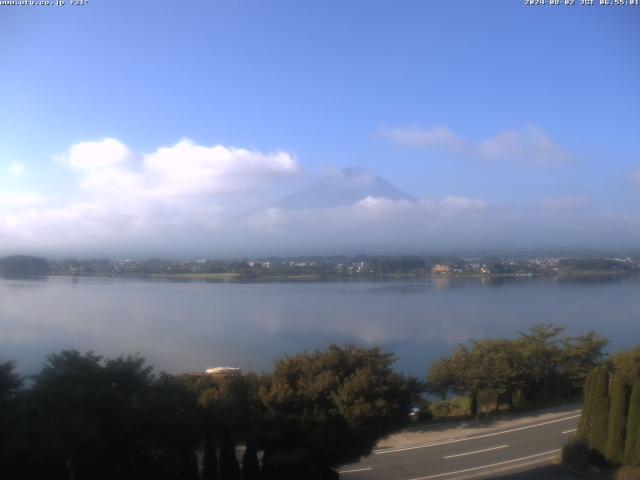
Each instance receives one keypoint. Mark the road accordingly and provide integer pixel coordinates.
(492, 452)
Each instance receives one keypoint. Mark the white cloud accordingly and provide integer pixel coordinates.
(187, 168)
(182, 170)
(530, 146)
(19, 199)
(17, 169)
(95, 155)
(635, 177)
(127, 195)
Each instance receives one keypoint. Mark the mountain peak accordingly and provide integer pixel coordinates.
(343, 188)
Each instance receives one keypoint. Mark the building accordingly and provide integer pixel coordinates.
(440, 269)
(223, 371)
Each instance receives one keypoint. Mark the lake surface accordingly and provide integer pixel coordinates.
(189, 326)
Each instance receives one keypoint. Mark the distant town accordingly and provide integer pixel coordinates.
(334, 267)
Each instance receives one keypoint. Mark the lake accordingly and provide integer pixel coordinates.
(189, 326)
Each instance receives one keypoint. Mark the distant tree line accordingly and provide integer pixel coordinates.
(610, 423)
(540, 365)
(87, 417)
(23, 266)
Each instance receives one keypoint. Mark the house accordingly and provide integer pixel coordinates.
(439, 269)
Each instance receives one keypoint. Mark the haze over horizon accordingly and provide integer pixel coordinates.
(508, 128)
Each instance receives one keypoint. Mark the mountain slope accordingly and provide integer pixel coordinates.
(344, 188)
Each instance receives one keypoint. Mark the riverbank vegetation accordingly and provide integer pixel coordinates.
(540, 366)
(88, 417)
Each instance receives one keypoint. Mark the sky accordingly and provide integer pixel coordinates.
(171, 128)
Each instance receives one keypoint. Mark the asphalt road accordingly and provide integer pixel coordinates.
(492, 452)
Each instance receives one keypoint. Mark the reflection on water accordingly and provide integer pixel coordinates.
(192, 325)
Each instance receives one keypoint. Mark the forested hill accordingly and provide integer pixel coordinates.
(23, 266)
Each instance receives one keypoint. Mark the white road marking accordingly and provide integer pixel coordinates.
(487, 466)
(393, 450)
(571, 431)
(355, 470)
(477, 451)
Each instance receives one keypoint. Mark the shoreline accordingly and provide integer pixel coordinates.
(233, 277)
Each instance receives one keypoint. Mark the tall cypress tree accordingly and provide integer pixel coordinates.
(587, 406)
(599, 415)
(632, 444)
(210, 459)
(250, 464)
(617, 419)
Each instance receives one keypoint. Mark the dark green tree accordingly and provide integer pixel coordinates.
(210, 458)
(111, 419)
(627, 365)
(458, 374)
(587, 407)
(620, 393)
(24, 265)
(229, 468)
(497, 368)
(541, 356)
(632, 443)
(327, 408)
(10, 383)
(599, 419)
(250, 464)
(228, 403)
(580, 355)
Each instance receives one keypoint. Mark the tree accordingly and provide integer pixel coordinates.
(457, 373)
(210, 458)
(541, 355)
(540, 365)
(496, 368)
(580, 355)
(24, 265)
(598, 429)
(627, 365)
(250, 464)
(492, 366)
(229, 468)
(587, 407)
(228, 403)
(617, 419)
(632, 443)
(10, 383)
(111, 419)
(329, 408)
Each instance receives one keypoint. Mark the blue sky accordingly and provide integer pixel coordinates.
(519, 109)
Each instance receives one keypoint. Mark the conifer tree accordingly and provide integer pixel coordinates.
(632, 444)
(587, 407)
(617, 419)
(599, 416)
(250, 464)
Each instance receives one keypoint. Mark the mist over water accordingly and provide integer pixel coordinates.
(189, 326)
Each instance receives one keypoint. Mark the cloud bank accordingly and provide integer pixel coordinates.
(192, 200)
